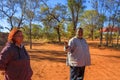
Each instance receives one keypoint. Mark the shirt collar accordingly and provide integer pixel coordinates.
(78, 38)
(20, 46)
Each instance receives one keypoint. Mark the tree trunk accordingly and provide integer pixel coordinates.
(92, 34)
(101, 36)
(58, 32)
(111, 36)
(74, 26)
(107, 39)
(30, 35)
(118, 38)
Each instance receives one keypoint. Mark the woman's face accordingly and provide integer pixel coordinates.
(18, 37)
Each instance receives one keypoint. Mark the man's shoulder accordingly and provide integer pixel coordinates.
(73, 38)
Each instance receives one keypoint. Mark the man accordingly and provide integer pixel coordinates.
(78, 55)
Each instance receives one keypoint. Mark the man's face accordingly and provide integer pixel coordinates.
(79, 33)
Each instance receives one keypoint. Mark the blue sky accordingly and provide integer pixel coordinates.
(4, 23)
(53, 2)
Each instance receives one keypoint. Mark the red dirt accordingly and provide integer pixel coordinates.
(48, 63)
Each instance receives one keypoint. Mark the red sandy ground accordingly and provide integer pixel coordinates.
(48, 63)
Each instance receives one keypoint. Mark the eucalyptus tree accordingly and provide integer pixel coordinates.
(108, 9)
(53, 17)
(76, 8)
(13, 11)
(36, 32)
(100, 7)
(32, 8)
(89, 21)
(113, 10)
(118, 26)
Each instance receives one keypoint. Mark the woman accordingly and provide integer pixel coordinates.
(14, 59)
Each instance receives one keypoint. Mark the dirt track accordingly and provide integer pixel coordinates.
(48, 63)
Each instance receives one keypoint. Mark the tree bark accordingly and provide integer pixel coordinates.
(58, 32)
(30, 35)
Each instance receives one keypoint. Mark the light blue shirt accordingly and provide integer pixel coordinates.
(78, 52)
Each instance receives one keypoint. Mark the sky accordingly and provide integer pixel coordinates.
(4, 23)
(53, 2)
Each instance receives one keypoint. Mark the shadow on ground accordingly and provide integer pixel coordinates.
(96, 45)
(54, 56)
(109, 56)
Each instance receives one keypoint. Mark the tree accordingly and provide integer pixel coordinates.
(32, 8)
(9, 9)
(25, 31)
(118, 24)
(76, 8)
(36, 31)
(89, 20)
(113, 8)
(100, 7)
(53, 17)
(1, 27)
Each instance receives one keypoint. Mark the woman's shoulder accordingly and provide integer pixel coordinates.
(8, 46)
(5, 49)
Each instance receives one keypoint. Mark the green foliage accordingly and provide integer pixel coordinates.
(26, 32)
(36, 31)
(49, 34)
(89, 17)
(40, 33)
(89, 20)
(43, 8)
(70, 32)
(60, 21)
(76, 8)
(53, 18)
